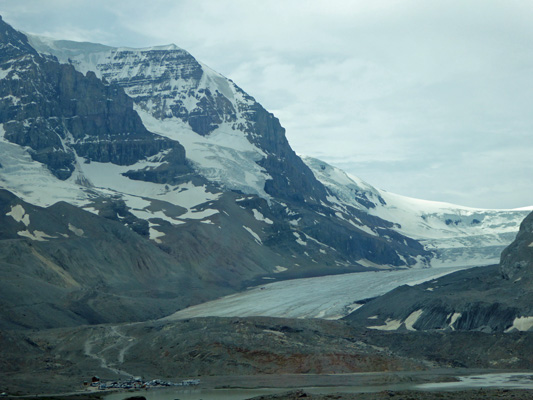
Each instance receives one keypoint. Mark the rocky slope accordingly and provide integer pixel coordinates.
(62, 266)
(494, 299)
(59, 359)
(517, 259)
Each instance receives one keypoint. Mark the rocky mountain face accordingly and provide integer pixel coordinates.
(170, 84)
(233, 145)
(517, 259)
(490, 299)
(59, 114)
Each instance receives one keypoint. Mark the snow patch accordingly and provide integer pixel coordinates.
(260, 217)
(77, 231)
(521, 324)
(279, 269)
(299, 239)
(5, 72)
(225, 156)
(155, 235)
(364, 228)
(390, 325)
(351, 308)
(193, 214)
(136, 194)
(255, 235)
(369, 264)
(19, 214)
(411, 319)
(38, 236)
(32, 181)
(453, 318)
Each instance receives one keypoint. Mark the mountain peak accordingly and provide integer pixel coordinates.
(164, 47)
(13, 44)
(66, 49)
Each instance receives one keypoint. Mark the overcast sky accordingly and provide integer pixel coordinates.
(429, 99)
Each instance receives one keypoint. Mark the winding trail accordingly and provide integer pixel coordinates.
(120, 344)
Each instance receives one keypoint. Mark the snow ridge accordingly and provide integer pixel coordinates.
(458, 235)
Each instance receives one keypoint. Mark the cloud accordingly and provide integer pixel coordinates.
(425, 98)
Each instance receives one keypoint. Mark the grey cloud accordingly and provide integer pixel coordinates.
(424, 98)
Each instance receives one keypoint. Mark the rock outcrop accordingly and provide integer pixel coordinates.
(517, 259)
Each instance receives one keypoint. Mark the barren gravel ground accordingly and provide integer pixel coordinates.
(478, 394)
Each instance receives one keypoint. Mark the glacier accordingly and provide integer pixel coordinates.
(326, 297)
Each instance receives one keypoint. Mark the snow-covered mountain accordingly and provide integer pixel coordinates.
(235, 144)
(457, 235)
(197, 171)
(175, 153)
(229, 137)
(237, 159)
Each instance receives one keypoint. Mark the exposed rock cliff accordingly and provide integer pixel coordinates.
(168, 83)
(59, 113)
(517, 259)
